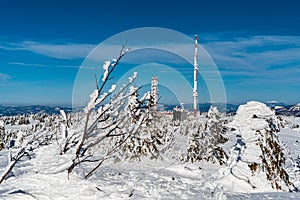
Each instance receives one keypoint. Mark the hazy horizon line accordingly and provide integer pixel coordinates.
(70, 105)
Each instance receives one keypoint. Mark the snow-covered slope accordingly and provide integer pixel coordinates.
(44, 175)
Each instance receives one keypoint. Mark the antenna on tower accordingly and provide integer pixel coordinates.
(195, 91)
(154, 92)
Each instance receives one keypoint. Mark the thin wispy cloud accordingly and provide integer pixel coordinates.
(63, 51)
(3, 47)
(53, 50)
(77, 67)
(22, 64)
(256, 55)
(26, 64)
(240, 54)
(4, 77)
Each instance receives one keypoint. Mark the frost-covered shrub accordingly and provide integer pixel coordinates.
(204, 142)
(21, 139)
(134, 104)
(273, 158)
(152, 137)
(215, 126)
(106, 120)
(147, 142)
(9, 138)
(195, 149)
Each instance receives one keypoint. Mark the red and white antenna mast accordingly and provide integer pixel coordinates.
(195, 92)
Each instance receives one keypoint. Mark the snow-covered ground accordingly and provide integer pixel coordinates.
(44, 175)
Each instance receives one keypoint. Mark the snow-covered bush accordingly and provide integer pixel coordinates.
(25, 134)
(147, 142)
(195, 149)
(64, 138)
(22, 139)
(204, 142)
(136, 146)
(133, 104)
(273, 158)
(215, 126)
(106, 120)
(9, 138)
(154, 136)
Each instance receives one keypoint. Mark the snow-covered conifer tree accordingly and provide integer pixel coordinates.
(272, 157)
(258, 157)
(152, 138)
(146, 143)
(195, 143)
(215, 126)
(133, 105)
(204, 143)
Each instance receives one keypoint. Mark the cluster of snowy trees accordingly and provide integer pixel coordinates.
(20, 143)
(27, 124)
(205, 141)
(119, 124)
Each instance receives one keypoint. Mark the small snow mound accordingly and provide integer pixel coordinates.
(252, 116)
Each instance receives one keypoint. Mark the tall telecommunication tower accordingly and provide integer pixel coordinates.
(195, 92)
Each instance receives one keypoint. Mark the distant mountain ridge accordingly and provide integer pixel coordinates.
(280, 108)
(229, 108)
(11, 110)
(295, 108)
(284, 109)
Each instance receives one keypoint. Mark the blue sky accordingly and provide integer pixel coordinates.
(255, 44)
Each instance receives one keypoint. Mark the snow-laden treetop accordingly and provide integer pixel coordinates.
(252, 115)
(261, 110)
